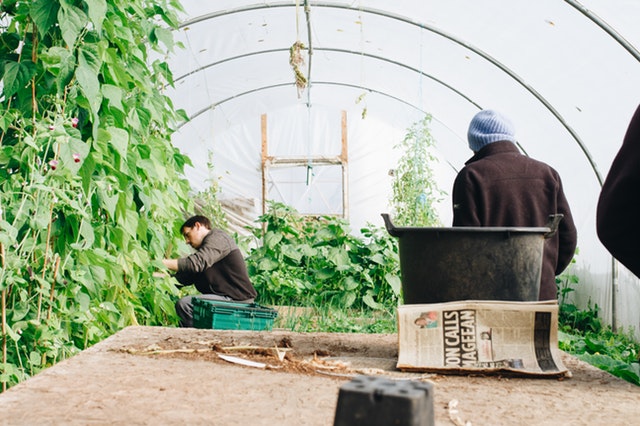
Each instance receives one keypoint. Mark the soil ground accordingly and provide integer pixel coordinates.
(158, 375)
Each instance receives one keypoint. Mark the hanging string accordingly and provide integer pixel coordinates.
(421, 74)
(297, 20)
(362, 97)
(310, 172)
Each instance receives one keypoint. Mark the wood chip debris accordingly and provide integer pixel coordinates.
(453, 414)
(154, 349)
(242, 361)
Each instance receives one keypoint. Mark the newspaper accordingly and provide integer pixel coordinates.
(480, 336)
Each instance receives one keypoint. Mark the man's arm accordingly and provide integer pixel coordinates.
(172, 264)
(567, 232)
(465, 211)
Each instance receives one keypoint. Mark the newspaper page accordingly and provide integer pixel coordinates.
(480, 336)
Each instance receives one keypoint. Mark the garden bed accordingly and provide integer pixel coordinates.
(156, 375)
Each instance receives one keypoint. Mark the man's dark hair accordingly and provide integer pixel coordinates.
(202, 220)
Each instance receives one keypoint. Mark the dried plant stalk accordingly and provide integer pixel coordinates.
(296, 60)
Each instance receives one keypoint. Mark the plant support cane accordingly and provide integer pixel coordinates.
(4, 319)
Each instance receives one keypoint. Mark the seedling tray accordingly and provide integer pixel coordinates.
(222, 315)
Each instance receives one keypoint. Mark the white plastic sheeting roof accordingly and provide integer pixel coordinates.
(566, 72)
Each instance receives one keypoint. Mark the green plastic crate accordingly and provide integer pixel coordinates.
(222, 315)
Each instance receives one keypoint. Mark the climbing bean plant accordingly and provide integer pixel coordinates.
(90, 185)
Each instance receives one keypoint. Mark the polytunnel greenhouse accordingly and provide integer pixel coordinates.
(319, 133)
(206, 198)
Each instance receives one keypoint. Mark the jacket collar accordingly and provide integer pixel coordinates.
(492, 149)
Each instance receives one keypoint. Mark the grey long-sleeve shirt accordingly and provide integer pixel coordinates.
(217, 267)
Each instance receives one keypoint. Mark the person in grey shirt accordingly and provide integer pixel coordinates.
(216, 268)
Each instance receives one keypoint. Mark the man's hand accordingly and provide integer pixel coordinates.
(172, 264)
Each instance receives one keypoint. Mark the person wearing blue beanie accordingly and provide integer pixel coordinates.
(499, 186)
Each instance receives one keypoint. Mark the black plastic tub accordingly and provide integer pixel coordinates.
(441, 264)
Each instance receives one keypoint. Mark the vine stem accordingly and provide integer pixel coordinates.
(46, 258)
(53, 285)
(4, 319)
(34, 59)
(46, 247)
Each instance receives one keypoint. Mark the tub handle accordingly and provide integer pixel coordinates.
(391, 229)
(554, 221)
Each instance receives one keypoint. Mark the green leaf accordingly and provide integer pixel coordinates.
(14, 336)
(88, 81)
(115, 68)
(307, 250)
(108, 202)
(88, 57)
(35, 358)
(65, 73)
(271, 239)
(72, 21)
(114, 95)
(129, 222)
(133, 120)
(97, 274)
(97, 12)
(349, 299)
(86, 232)
(83, 301)
(110, 307)
(19, 311)
(324, 274)
(291, 252)
(75, 147)
(119, 140)
(165, 36)
(338, 256)
(350, 284)
(266, 264)
(368, 300)
(394, 282)
(17, 76)
(8, 233)
(44, 13)
(54, 56)
(9, 41)
(378, 258)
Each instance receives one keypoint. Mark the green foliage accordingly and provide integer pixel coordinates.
(207, 203)
(414, 188)
(616, 353)
(329, 319)
(582, 334)
(569, 315)
(88, 177)
(316, 260)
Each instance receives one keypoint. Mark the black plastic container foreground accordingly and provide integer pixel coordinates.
(469, 263)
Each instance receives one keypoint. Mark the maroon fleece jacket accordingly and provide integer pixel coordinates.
(619, 204)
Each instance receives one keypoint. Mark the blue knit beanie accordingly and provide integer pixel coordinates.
(487, 127)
